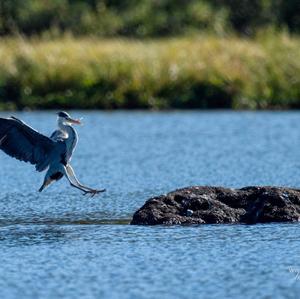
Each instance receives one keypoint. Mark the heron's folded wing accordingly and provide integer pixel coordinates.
(58, 135)
(24, 143)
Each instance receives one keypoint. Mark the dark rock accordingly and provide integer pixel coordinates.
(200, 205)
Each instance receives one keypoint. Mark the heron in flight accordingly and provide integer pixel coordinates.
(22, 142)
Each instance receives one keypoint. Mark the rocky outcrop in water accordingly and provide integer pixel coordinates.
(207, 205)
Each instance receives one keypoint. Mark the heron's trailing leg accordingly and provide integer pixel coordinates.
(75, 183)
(93, 192)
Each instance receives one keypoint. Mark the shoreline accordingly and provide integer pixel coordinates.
(199, 72)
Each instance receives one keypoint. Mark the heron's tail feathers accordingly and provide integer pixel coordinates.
(45, 184)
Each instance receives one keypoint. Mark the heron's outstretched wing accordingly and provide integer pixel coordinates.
(22, 142)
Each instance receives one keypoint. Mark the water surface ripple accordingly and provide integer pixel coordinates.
(60, 244)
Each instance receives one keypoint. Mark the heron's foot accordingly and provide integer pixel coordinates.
(93, 192)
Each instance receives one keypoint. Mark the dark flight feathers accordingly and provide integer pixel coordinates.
(22, 142)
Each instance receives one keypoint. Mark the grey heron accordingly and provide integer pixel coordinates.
(53, 154)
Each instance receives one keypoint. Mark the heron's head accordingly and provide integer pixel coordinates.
(65, 118)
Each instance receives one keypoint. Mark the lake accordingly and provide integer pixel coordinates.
(61, 244)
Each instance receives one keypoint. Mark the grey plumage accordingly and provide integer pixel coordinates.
(22, 142)
(57, 135)
(26, 144)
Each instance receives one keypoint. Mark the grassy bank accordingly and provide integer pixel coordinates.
(198, 72)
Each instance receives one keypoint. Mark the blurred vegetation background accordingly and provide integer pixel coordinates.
(156, 54)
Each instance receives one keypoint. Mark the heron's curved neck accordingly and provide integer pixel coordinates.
(68, 129)
(71, 137)
(62, 125)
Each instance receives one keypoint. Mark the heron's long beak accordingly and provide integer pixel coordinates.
(74, 121)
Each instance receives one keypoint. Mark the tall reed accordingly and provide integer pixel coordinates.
(194, 72)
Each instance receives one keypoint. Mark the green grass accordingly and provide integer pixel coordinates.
(195, 72)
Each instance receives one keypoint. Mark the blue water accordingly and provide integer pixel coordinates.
(60, 244)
